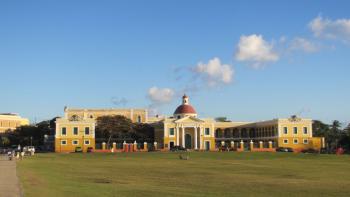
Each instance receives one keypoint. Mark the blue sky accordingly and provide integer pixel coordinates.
(247, 60)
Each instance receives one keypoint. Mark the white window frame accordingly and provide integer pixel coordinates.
(85, 131)
(295, 129)
(86, 141)
(285, 130)
(285, 141)
(307, 130)
(297, 141)
(306, 140)
(205, 133)
(170, 132)
(62, 131)
(77, 131)
(75, 141)
(63, 141)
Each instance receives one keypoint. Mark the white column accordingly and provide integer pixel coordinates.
(195, 138)
(183, 136)
(177, 136)
(201, 133)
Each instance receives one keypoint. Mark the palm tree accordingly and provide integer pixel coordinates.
(335, 134)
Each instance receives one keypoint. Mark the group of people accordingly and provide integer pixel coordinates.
(19, 153)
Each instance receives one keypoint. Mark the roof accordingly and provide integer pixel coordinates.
(185, 109)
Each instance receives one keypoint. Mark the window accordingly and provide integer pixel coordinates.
(285, 130)
(207, 131)
(305, 130)
(63, 142)
(295, 141)
(75, 118)
(306, 141)
(139, 119)
(75, 142)
(87, 142)
(87, 130)
(295, 130)
(178, 117)
(171, 131)
(285, 141)
(64, 131)
(75, 131)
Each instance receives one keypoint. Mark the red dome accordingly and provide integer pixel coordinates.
(185, 109)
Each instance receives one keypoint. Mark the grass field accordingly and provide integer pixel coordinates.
(204, 174)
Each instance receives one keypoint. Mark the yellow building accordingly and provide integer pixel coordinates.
(10, 121)
(77, 127)
(185, 129)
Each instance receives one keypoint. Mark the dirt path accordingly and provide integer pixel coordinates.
(9, 184)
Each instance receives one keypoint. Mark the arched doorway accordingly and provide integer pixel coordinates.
(188, 141)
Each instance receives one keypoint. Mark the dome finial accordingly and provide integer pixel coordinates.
(185, 100)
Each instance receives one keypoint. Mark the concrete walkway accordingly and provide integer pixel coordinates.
(9, 184)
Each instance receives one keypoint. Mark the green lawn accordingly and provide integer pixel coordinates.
(205, 174)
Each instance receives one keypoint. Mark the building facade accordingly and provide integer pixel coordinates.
(77, 127)
(185, 129)
(10, 121)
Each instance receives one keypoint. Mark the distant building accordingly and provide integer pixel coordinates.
(186, 129)
(77, 127)
(10, 121)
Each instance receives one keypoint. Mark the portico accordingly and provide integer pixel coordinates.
(189, 136)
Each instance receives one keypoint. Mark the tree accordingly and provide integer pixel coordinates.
(334, 134)
(113, 126)
(143, 132)
(347, 129)
(320, 129)
(5, 141)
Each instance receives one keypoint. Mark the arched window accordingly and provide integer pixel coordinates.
(74, 118)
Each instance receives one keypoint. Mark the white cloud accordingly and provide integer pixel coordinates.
(256, 50)
(332, 29)
(160, 95)
(214, 72)
(304, 45)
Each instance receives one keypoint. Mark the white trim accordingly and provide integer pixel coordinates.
(307, 130)
(173, 132)
(75, 141)
(297, 130)
(295, 139)
(205, 144)
(86, 141)
(177, 136)
(61, 131)
(205, 135)
(284, 129)
(85, 131)
(63, 141)
(77, 131)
